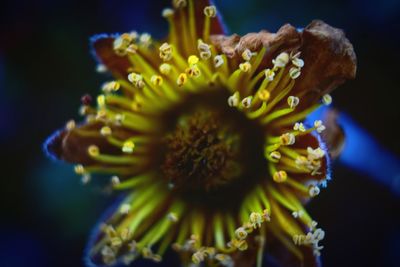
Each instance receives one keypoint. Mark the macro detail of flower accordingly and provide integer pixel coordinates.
(205, 134)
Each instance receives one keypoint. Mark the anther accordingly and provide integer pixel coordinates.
(125, 209)
(256, 219)
(165, 51)
(93, 150)
(218, 61)
(245, 67)
(70, 125)
(275, 155)
(192, 60)
(79, 169)
(319, 126)
(100, 68)
(115, 180)
(297, 214)
(172, 217)
(167, 12)
(101, 100)
(85, 179)
(264, 95)
(136, 80)
(298, 62)
(269, 74)
(204, 50)
(314, 191)
(156, 80)
(128, 147)
(293, 101)
(233, 100)
(294, 73)
(281, 60)
(193, 71)
(241, 233)
(210, 11)
(247, 54)
(327, 99)
(105, 131)
(145, 39)
(246, 102)
(182, 79)
(299, 126)
(165, 68)
(280, 176)
(179, 3)
(287, 139)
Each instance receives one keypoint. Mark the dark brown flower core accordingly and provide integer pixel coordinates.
(212, 151)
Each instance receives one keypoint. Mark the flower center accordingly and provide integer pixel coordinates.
(211, 147)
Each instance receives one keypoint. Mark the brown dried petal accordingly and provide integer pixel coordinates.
(328, 55)
(329, 61)
(333, 135)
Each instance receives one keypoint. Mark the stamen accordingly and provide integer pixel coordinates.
(70, 125)
(115, 180)
(125, 209)
(218, 61)
(246, 102)
(165, 52)
(327, 100)
(281, 60)
(109, 87)
(275, 155)
(204, 50)
(93, 150)
(245, 67)
(233, 100)
(247, 54)
(136, 80)
(179, 3)
(298, 62)
(319, 126)
(210, 11)
(264, 95)
(128, 147)
(269, 74)
(167, 12)
(165, 68)
(314, 191)
(105, 131)
(299, 126)
(287, 139)
(182, 79)
(79, 169)
(192, 60)
(294, 73)
(280, 176)
(156, 80)
(241, 233)
(293, 101)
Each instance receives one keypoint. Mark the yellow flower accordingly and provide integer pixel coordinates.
(204, 132)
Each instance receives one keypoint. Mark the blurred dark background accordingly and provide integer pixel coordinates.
(46, 65)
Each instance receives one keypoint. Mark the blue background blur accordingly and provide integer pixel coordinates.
(45, 66)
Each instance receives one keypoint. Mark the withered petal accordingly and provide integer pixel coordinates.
(69, 146)
(328, 55)
(333, 135)
(287, 38)
(103, 50)
(329, 61)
